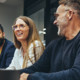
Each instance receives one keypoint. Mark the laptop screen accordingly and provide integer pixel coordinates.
(9, 74)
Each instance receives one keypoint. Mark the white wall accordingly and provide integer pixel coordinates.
(38, 18)
(7, 16)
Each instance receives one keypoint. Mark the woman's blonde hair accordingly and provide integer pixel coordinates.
(32, 36)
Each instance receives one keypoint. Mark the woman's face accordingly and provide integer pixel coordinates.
(21, 30)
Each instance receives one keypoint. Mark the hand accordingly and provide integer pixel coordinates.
(24, 76)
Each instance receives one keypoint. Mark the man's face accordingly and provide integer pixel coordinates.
(61, 20)
(1, 38)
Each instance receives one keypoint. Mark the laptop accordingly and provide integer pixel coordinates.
(9, 74)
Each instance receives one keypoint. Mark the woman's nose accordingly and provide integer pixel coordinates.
(18, 28)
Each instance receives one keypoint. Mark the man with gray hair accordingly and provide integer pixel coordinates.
(61, 58)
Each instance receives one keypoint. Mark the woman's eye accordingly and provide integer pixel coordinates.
(22, 25)
(14, 27)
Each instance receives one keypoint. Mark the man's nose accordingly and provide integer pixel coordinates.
(55, 22)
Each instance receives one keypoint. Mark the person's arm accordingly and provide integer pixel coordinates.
(69, 74)
(10, 54)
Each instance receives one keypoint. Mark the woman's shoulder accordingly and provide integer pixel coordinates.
(18, 51)
(37, 43)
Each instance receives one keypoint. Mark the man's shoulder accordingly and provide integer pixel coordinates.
(8, 47)
(8, 43)
(57, 40)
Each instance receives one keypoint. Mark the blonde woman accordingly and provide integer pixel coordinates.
(29, 47)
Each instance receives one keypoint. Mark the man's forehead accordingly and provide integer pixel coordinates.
(61, 8)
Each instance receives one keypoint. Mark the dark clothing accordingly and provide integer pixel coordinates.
(60, 61)
(7, 54)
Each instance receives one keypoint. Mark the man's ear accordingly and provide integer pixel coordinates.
(70, 14)
(3, 34)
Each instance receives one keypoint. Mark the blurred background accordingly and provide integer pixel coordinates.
(41, 11)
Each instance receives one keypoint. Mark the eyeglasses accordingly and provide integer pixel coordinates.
(14, 27)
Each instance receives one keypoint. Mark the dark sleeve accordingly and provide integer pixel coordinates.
(10, 53)
(43, 64)
(69, 74)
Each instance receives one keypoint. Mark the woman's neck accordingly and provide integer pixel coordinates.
(24, 46)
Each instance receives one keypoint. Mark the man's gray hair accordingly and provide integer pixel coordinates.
(75, 4)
